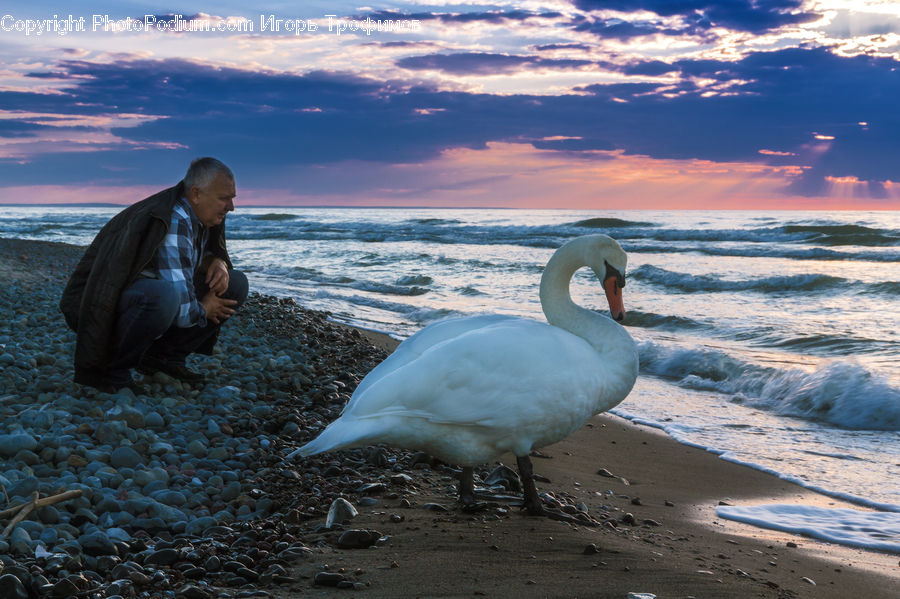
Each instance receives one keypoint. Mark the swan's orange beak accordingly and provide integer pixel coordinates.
(614, 297)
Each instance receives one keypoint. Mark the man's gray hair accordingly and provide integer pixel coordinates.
(202, 172)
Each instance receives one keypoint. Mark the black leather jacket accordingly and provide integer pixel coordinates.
(119, 252)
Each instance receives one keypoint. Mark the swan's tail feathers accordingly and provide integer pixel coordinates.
(338, 435)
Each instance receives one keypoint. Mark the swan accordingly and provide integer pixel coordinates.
(467, 390)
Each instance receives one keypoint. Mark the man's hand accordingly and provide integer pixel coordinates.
(217, 276)
(217, 308)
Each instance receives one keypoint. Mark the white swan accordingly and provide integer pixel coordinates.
(467, 390)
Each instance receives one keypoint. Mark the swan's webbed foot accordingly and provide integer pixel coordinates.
(535, 506)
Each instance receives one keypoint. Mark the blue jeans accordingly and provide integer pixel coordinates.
(146, 323)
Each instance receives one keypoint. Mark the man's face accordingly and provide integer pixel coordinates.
(213, 203)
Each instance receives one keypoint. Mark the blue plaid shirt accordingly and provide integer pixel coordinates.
(178, 260)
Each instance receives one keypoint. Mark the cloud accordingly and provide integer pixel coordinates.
(752, 16)
(272, 127)
(567, 46)
(497, 17)
(625, 30)
(849, 24)
(484, 63)
(10, 128)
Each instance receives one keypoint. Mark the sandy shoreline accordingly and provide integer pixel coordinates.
(677, 548)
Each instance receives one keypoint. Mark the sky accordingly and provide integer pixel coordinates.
(581, 104)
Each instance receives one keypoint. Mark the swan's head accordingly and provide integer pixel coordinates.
(608, 261)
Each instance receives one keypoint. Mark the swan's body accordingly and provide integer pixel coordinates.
(470, 389)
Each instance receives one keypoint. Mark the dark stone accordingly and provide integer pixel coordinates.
(328, 579)
(97, 543)
(371, 488)
(591, 550)
(121, 587)
(194, 573)
(212, 564)
(105, 563)
(162, 557)
(247, 573)
(358, 539)
(232, 566)
(435, 507)
(64, 588)
(505, 477)
(12, 588)
(191, 591)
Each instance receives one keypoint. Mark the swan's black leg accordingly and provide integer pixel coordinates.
(467, 486)
(533, 503)
(526, 474)
(467, 492)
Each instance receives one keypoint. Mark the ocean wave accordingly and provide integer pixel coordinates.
(764, 252)
(434, 221)
(708, 283)
(783, 242)
(664, 322)
(387, 289)
(275, 216)
(885, 287)
(414, 314)
(841, 393)
(834, 235)
(608, 223)
(404, 286)
(469, 291)
(827, 344)
(415, 280)
(845, 234)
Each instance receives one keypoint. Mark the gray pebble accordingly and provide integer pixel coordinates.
(12, 444)
(20, 541)
(231, 491)
(125, 457)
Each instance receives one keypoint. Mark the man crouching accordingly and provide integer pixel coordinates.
(156, 283)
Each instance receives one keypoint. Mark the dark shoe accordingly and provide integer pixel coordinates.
(151, 365)
(107, 382)
(114, 387)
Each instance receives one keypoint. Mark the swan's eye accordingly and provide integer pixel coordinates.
(613, 272)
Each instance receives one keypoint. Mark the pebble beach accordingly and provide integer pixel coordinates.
(184, 491)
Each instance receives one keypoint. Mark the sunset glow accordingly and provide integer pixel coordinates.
(537, 103)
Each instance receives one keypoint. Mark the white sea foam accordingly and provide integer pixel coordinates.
(840, 392)
(870, 530)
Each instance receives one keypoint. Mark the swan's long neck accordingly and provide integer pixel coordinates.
(607, 337)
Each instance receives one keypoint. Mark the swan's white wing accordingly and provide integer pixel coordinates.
(413, 347)
(508, 373)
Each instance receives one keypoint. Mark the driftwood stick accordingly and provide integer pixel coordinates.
(50, 500)
(21, 511)
(26, 509)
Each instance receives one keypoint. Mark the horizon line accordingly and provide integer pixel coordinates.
(395, 207)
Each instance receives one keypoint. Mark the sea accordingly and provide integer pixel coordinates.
(769, 338)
